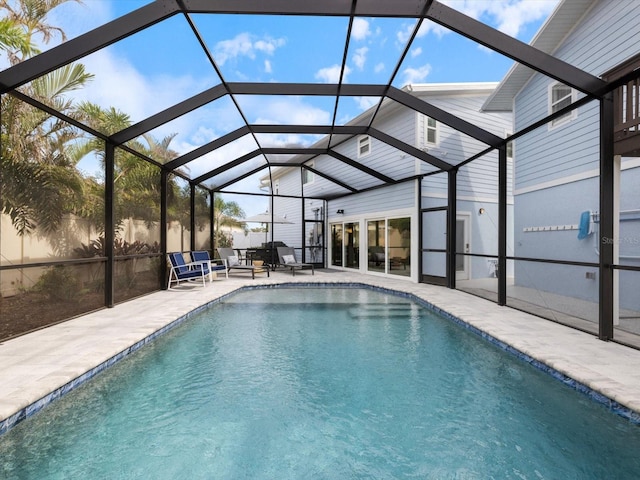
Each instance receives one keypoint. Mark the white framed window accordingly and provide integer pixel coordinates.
(430, 131)
(509, 146)
(364, 145)
(560, 96)
(307, 176)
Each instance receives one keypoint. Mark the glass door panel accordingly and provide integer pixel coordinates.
(376, 246)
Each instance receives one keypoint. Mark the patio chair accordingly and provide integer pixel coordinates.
(233, 262)
(203, 256)
(287, 257)
(183, 271)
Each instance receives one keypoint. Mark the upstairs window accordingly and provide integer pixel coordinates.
(364, 146)
(560, 96)
(307, 175)
(430, 131)
(509, 146)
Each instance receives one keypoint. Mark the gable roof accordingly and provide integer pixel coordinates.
(217, 173)
(550, 36)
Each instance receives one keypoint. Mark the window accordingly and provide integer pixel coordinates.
(399, 246)
(430, 131)
(364, 146)
(352, 245)
(336, 244)
(307, 175)
(389, 246)
(509, 146)
(561, 96)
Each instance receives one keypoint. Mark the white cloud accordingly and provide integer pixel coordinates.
(416, 52)
(268, 67)
(360, 29)
(509, 16)
(332, 74)
(269, 45)
(364, 103)
(78, 18)
(416, 75)
(107, 89)
(427, 26)
(360, 57)
(283, 110)
(245, 45)
(514, 16)
(379, 67)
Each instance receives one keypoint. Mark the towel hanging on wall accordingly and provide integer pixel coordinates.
(584, 228)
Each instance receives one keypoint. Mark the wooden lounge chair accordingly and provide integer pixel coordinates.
(183, 271)
(233, 263)
(287, 258)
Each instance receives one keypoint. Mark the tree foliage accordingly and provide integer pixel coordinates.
(226, 214)
(40, 183)
(39, 174)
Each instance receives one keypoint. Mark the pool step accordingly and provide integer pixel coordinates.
(383, 310)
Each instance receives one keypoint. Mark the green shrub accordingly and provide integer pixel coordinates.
(58, 283)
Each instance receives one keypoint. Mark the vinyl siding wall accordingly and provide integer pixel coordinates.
(479, 179)
(557, 169)
(607, 36)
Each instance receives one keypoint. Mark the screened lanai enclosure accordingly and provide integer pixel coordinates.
(93, 197)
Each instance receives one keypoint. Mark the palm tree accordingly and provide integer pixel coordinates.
(14, 39)
(29, 16)
(226, 214)
(40, 182)
(137, 182)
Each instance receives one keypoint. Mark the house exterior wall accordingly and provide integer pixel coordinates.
(396, 201)
(477, 185)
(592, 47)
(557, 168)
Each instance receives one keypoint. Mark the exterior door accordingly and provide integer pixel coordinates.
(462, 246)
(434, 246)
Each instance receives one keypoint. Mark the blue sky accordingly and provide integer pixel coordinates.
(163, 65)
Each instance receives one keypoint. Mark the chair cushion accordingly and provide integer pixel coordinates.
(289, 259)
(232, 260)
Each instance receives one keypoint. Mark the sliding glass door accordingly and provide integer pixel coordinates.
(389, 246)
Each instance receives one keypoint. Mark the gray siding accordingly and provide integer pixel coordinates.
(394, 197)
(479, 179)
(607, 36)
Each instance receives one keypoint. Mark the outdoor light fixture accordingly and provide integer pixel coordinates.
(340, 212)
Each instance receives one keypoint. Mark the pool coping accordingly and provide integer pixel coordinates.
(591, 391)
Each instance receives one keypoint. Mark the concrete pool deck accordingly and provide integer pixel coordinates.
(40, 366)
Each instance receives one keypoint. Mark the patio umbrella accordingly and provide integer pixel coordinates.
(266, 218)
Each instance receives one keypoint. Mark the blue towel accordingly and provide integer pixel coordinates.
(584, 229)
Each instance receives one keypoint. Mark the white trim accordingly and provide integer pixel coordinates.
(358, 145)
(311, 175)
(470, 199)
(567, 118)
(453, 87)
(425, 132)
(626, 165)
(465, 217)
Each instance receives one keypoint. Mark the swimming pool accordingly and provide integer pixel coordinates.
(356, 384)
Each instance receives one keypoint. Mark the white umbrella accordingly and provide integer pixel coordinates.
(266, 218)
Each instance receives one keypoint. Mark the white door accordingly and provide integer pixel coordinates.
(462, 245)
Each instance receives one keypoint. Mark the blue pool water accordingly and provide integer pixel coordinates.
(322, 384)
